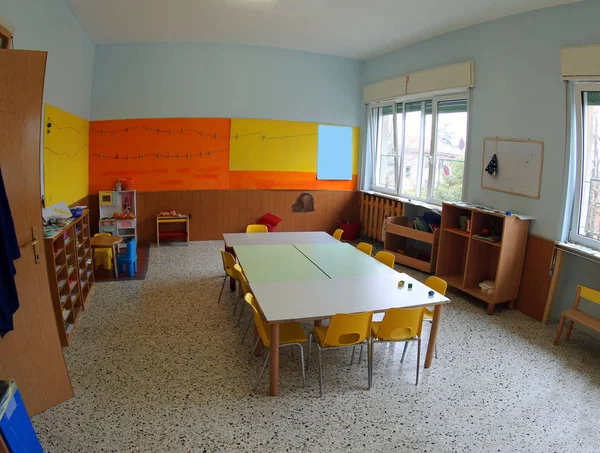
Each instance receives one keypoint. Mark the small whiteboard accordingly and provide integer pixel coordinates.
(519, 166)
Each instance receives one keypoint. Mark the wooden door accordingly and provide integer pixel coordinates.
(32, 353)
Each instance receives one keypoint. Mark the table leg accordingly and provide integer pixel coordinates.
(437, 316)
(553, 285)
(114, 247)
(274, 359)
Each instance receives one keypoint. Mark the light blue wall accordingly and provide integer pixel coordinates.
(50, 25)
(221, 80)
(519, 93)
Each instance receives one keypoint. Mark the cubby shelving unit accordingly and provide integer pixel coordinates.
(399, 237)
(464, 261)
(70, 273)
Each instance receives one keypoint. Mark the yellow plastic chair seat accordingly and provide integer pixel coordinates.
(104, 256)
(399, 334)
(289, 332)
(255, 228)
(427, 314)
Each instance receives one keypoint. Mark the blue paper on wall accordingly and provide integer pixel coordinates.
(334, 156)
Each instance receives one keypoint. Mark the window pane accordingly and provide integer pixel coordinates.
(589, 214)
(383, 141)
(412, 147)
(426, 154)
(451, 144)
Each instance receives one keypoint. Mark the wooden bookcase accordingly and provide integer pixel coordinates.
(396, 241)
(464, 261)
(70, 273)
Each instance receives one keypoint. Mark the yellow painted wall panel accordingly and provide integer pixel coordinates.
(66, 156)
(270, 145)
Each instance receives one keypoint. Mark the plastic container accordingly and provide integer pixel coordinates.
(15, 426)
(351, 230)
(77, 212)
(128, 183)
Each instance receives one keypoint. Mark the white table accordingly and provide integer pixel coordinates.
(344, 290)
(302, 237)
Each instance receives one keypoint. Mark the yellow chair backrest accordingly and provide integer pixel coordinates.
(437, 284)
(589, 294)
(242, 279)
(401, 324)
(338, 234)
(257, 229)
(228, 263)
(365, 248)
(348, 329)
(261, 325)
(386, 258)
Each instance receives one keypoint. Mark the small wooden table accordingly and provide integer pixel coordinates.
(103, 242)
(184, 218)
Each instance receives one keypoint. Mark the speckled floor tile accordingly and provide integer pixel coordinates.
(157, 366)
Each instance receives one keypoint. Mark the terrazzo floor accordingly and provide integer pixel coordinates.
(157, 366)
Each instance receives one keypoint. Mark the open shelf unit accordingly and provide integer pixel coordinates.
(397, 240)
(71, 278)
(464, 261)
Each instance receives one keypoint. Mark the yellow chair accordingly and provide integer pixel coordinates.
(400, 324)
(257, 229)
(338, 234)
(229, 268)
(104, 256)
(244, 288)
(365, 248)
(386, 258)
(576, 315)
(290, 334)
(440, 286)
(344, 330)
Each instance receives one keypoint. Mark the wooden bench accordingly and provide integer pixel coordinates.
(576, 315)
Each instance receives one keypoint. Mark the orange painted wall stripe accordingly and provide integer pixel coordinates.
(286, 180)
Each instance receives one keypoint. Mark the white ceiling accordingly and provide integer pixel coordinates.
(348, 28)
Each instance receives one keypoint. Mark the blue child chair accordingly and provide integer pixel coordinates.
(128, 260)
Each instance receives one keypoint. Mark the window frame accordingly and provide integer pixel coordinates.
(574, 235)
(6, 36)
(435, 98)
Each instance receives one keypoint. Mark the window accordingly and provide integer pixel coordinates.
(5, 37)
(585, 225)
(419, 147)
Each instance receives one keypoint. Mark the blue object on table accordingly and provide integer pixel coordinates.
(15, 426)
(128, 260)
(77, 212)
(431, 293)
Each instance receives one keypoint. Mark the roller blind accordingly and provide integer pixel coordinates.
(451, 106)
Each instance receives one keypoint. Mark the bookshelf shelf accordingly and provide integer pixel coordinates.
(399, 240)
(68, 294)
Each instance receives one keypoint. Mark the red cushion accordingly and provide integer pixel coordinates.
(269, 219)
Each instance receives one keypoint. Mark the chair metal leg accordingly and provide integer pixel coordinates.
(262, 370)
(404, 352)
(370, 345)
(418, 359)
(237, 324)
(247, 329)
(360, 355)
(310, 336)
(352, 359)
(435, 355)
(302, 364)
(222, 287)
(319, 355)
(253, 349)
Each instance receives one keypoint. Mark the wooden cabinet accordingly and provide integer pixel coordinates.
(465, 259)
(70, 273)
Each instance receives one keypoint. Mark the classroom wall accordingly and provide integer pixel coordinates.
(193, 120)
(224, 81)
(50, 25)
(519, 93)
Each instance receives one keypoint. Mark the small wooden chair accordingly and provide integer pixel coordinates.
(576, 315)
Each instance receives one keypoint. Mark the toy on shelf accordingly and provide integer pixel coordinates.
(118, 214)
(172, 217)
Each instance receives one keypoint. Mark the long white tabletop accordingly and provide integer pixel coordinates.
(319, 299)
(302, 237)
